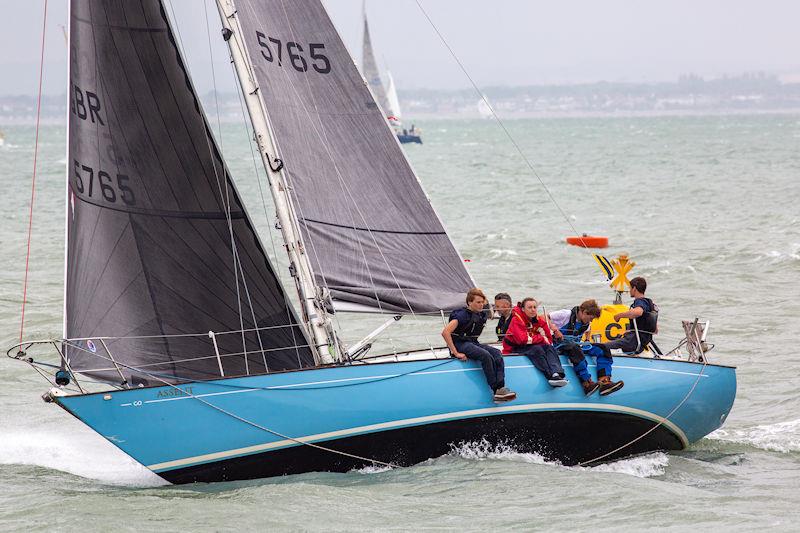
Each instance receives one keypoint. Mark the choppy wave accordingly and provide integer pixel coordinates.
(650, 465)
(780, 437)
(89, 459)
(777, 257)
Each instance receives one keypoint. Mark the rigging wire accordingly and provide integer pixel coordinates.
(33, 178)
(322, 135)
(557, 205)
(342, 185)
(224, 197)
(500, 122)
(660, 423)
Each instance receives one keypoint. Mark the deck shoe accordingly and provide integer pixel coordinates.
(557, 380)
(504, 394)
(589, 387)
(607, 386)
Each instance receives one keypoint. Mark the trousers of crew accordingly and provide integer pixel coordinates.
(490, 358)
(603, 356)
(544, 357)
(575, 354)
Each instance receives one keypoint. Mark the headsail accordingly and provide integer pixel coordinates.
(370, 68)
(369, 229)
(391, 97)
(159, 242)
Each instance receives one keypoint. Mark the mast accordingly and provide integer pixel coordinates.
(67, 33)
(317, 320)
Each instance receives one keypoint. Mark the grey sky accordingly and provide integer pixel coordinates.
(502, 42)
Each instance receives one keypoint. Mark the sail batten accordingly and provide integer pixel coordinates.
(159, 242)
(370, 232)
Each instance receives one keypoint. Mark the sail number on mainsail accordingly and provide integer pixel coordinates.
(295, 51)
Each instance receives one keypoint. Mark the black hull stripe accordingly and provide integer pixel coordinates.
(566, 436)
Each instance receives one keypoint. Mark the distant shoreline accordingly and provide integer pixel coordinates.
(516, 115)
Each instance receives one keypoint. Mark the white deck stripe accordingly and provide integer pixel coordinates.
(417, 421)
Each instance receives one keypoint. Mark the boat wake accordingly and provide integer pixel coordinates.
(650, 465)
(780, 437)
(85, 458)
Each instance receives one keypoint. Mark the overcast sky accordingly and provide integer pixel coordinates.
(501, 42)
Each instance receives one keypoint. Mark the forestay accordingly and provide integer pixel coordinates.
(159, 242)
(371, 234)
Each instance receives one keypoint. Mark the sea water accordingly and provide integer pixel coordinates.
(707, 207)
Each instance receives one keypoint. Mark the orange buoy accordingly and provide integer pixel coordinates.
(588, 241)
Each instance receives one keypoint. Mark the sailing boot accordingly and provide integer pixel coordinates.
(607, 386)
(504, 394)
(589, 387)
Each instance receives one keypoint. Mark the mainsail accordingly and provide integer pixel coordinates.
(370, 68)
(160, 247)
(372, 237)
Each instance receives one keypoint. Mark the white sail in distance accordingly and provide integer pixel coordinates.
(391, 97)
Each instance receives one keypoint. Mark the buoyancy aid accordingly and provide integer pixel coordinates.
(573, 330)
(502, 326)
(472, 329)
(648, 322)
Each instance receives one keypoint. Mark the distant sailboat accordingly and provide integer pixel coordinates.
(484, 109)
(172, 304)
(386, 97)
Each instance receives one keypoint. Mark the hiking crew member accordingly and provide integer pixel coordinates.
(502, 306)
(645, 313)
(573, 327)
(530, 335)
(461, 336)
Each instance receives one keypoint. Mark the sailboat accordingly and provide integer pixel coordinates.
(385, 97)
(174, 311)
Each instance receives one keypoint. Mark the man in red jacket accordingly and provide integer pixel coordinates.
(530, 335)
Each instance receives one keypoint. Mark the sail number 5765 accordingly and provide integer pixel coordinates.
(272, 51)
(100, 183)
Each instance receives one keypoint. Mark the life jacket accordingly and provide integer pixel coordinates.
(647, 322)
(573, 330)
(502, 326)
(472, 329)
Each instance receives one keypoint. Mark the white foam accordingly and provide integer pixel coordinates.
(777, 257)
(497, 253)
(780, 437)
(652, 464)
(483, 450)
(76, 454)
(372, 469)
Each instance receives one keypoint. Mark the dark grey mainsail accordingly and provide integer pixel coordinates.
(370, 232)
(370, 69)
(159, 243)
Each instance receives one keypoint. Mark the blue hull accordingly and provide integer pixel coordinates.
(401, 413)
(404, 139)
